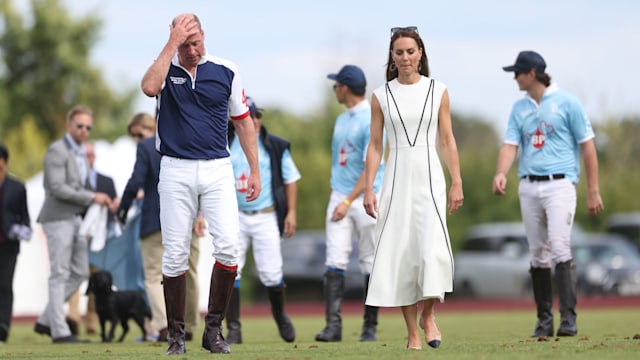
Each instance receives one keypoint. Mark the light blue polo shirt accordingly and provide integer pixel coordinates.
(241, 173)
(349, 148)
(549, 135)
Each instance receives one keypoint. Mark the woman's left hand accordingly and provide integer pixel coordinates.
(456, 198)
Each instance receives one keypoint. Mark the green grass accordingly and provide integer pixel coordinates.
(603, 334)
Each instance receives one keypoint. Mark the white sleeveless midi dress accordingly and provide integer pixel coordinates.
(413, 259)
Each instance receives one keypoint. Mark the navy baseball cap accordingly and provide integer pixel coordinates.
(350, 75)
(526, 61)
(253, 108)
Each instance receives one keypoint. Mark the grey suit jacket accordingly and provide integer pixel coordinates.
(65, 192)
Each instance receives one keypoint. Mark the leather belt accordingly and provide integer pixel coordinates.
(543, 177)
(266, 210)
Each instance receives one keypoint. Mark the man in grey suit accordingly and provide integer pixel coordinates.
(66, 200)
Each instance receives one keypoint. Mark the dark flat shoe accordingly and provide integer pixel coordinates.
(42, 329)
(434, 343)
(71, 339)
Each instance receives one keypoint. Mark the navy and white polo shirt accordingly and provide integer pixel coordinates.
(193, 111)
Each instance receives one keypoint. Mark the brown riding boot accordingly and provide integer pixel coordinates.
(175, 290)
(222, 279)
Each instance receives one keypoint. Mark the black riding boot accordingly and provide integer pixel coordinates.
(175, 294)
(234, 327)
(285, 327)
(370, 317)
(333, 292)
(566, 287)
(542, 293)
(222, 279)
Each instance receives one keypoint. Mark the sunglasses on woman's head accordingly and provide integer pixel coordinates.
(394, 30)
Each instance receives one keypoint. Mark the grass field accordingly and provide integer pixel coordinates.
(603, 334)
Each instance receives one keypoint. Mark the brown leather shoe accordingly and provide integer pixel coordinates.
(73, 326)
(213, 341)
(162, 334)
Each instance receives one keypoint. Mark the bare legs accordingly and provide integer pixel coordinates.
(410, 313)
(427, 322)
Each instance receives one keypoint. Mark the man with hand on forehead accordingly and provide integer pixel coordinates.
(196, 93)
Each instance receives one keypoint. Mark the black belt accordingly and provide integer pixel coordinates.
(266, 210)
(543, 177)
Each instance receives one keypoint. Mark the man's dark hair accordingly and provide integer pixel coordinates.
(544, 78)
(4, 153)
(358, 91)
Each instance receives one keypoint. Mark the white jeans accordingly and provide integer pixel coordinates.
(260, 231)
(186, 186)
(548, 210)
(340, 234)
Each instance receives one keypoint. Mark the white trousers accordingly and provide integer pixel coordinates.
(261, 233)
(548, 210)
(186, 186)
(340, 234)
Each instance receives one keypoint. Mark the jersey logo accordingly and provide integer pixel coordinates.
(344, 152)
(539, 136)
(242, 183)
(177, 80)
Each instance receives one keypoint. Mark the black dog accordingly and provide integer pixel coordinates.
(117, 306)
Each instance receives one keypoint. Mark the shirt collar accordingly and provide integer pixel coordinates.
(362, 105)
(78, 149)
(551, 89)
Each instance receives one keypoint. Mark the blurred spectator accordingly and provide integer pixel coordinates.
(66, 200)
(15, 225)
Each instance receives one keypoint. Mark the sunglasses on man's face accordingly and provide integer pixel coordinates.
(137, 135)
(394, 30)
(83, 126)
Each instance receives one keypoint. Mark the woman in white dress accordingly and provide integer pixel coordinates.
(413, 262)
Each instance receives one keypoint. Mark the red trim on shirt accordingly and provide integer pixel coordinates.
(240, 117)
